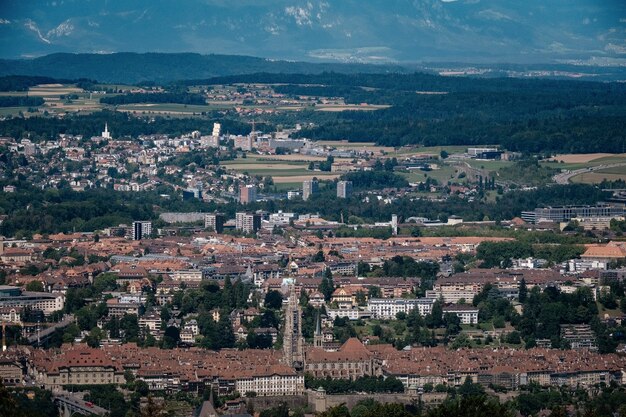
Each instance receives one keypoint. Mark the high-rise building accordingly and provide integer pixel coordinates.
(247, 222)
(217, 130)
(247, 194)
(215, 221)
(309, 188)
(344, 189)
(141, 230)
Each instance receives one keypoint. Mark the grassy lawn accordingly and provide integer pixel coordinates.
(443, 175)
(489, 165)
(288, 186)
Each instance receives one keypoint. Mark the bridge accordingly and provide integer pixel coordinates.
(69, 406)
(37, 338)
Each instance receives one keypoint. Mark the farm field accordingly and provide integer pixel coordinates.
(579, 158)
(167, 108)
(293, 157)
(50, 90)
(299, 178)
(354, 107)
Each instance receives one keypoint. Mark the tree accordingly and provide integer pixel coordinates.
(36, 286)
(336, 411)
(523, 291)
(326, 286)
(225, 330)
(171, 337)
(443, 154)
(318, 257)
(273, 300)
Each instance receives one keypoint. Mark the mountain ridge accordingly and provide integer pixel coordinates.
(373, 31)
(131, 67)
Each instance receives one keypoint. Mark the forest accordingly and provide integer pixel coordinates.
(526, 115)
(17, 101)
(181, 98)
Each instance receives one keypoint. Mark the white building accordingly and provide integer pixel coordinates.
(282, 382)
(188, 275)
(387, 308)
(467, 313)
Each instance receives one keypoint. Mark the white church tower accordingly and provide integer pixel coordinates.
(106, 134)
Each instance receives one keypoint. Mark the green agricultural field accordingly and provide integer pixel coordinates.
(168, 108)
(13, 111)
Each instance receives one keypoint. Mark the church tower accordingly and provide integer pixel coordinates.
(106, 134)
(318, 337)
(293, 343)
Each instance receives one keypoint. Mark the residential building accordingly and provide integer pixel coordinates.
(215, 221)
(344, 189)
(468, 314)
(579, 336)
(247, 194)
(141, 230)
(309, 187)
(248, 222)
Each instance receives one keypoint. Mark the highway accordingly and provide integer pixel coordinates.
(564, 177)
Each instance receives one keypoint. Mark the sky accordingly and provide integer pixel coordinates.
(372, 31)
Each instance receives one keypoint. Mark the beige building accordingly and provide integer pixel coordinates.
(80, 366)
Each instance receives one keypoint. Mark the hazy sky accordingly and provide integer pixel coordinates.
(341, 30)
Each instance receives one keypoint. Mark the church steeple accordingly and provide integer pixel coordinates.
(318, 337)
(106, 134)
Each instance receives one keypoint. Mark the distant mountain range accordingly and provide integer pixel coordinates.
(133, 68)
(159, 67)
(355, 31)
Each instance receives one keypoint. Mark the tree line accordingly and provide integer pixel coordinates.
(181, 98)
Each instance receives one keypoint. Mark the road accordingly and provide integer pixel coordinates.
(564, 177)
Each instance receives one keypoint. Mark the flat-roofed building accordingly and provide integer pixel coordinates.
(215, 221)
(309, 187)
(344, 189)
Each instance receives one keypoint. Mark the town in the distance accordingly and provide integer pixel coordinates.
(225, 257)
